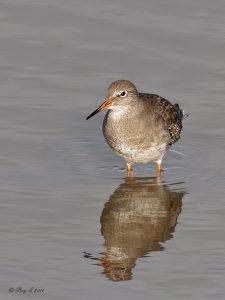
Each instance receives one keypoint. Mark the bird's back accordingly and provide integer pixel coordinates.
(163, 111)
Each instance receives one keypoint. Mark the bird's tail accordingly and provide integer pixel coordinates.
(181, 112)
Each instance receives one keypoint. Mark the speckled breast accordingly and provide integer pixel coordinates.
(131, 142)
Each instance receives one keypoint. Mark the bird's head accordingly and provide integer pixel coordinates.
(121, 95)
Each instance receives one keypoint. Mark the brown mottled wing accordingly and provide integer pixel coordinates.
(170, 113)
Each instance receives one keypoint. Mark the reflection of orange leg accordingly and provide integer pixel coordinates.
(129, 170)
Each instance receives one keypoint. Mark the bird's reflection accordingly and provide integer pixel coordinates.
(140, 215)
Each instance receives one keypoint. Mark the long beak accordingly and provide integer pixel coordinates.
(104, 106)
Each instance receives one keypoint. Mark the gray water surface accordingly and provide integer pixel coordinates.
(71, 223)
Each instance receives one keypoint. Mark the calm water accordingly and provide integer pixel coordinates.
(71, 223)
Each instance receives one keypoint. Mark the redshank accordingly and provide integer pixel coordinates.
(140, 127)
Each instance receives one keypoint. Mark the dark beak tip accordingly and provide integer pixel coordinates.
(92, 114)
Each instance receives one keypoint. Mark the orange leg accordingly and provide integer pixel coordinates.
(159, 169)
(129, 170)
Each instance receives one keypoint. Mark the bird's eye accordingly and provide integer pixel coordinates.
(123, 93)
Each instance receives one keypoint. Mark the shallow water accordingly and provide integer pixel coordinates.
(71, 223)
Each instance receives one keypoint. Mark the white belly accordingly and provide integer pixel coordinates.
(138, 155)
